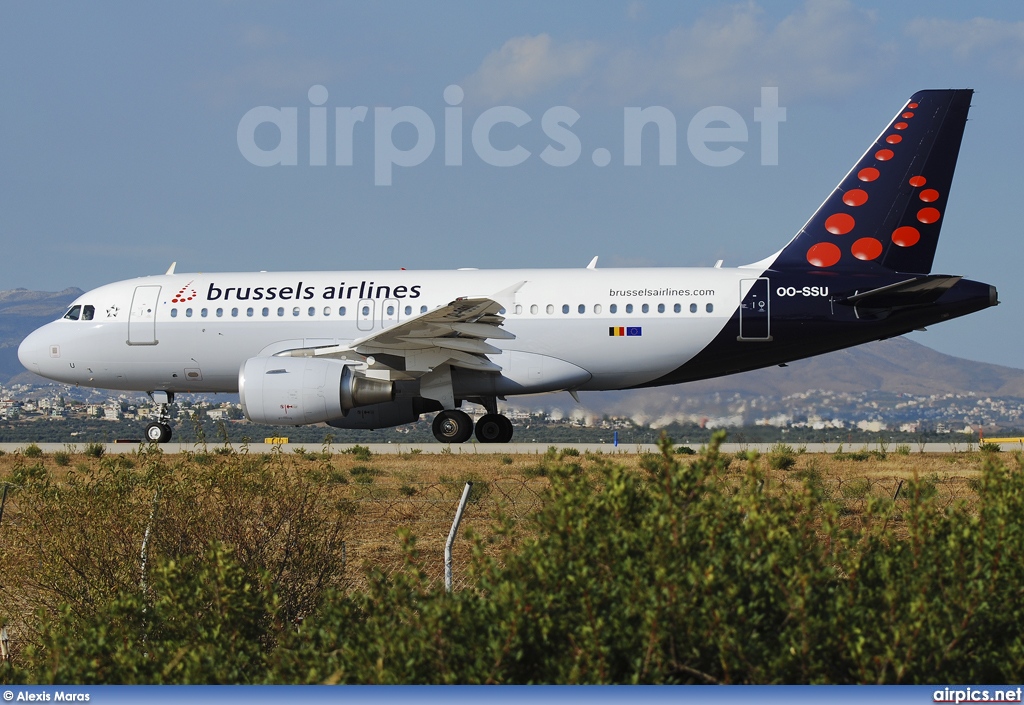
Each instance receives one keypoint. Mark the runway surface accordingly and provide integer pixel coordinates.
(499, 448)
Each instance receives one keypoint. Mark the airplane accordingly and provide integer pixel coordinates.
(375, 349)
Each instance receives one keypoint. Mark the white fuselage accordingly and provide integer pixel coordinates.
(192, 332)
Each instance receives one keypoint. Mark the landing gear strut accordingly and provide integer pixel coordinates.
(160, 430)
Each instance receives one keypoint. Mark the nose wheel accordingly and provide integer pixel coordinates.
(158, 433)
(160, 430)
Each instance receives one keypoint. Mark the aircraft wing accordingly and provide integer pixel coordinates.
(455, 334)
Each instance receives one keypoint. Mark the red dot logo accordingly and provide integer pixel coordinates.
(824, 254)
(868, 174)
(839, 223)
(912, 105)
(893, 139)
(884, 155)
(855, 197)
(928, 215)
(867, 249)
(929, 195)
(907, 115)
(906, 236)
(900, 126)
(918, 181)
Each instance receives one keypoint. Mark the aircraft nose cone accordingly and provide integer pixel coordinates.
(31, 351)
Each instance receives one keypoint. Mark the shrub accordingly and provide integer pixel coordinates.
(781, 457)
(32, 451)
(360, 452)
(94, 450)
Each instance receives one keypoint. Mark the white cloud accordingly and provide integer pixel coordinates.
(525, 66)
(823, 49)
(1000, 43)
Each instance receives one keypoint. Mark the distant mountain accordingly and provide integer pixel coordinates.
(897, 366)
(21, 312)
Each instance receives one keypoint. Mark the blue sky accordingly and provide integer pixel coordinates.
(120, 148)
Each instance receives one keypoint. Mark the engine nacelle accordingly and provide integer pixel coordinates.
(292, 391)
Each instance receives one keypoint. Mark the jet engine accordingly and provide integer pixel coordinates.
(291, 391)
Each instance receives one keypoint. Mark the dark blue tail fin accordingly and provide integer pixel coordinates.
(887, 212)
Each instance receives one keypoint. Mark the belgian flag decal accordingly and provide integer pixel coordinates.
(620, 331)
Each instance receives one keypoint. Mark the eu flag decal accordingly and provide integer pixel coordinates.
(621, 331)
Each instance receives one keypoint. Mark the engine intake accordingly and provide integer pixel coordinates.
(291, 391)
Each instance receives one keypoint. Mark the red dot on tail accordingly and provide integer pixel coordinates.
(928, 215)
(868, 174)
(918, 181)
(907, 115)
(855, 197)
(893, 139)
(824, 254)
(906, 236)
(883, 155)
(900, 125)
(929, 195)
(912, 105)
(867, 248)
(839, 223)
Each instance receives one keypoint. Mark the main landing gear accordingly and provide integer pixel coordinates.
(455, 426)
(160, 430)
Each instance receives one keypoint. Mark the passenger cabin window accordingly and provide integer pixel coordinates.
(423, 309)
(295, 311)
(709, 308)
(677, 308)
(613, 308)
(220, 313)
(534, 308)
(693, 308)
(234, 312)
(565, 308)
(629, 308)
(341, 311)
(202, 312)
(582, 308)
(188, 313)
(265, 311)
(174, 313)
(551, 308)
(645, 308)
(408, 310)
(597, 308)
(661, 308)
(280, 310)
(327, 310)
(73, 313)
(366, 310)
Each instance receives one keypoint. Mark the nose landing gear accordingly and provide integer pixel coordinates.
(159, 431)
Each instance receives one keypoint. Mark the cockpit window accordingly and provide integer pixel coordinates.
(88, 312)
(73, 313)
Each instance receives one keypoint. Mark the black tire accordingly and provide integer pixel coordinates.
(507, 429)
(490, 429)
(452, 426)
(158, 433)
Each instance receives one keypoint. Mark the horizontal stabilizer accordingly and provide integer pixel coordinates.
(912, 292)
